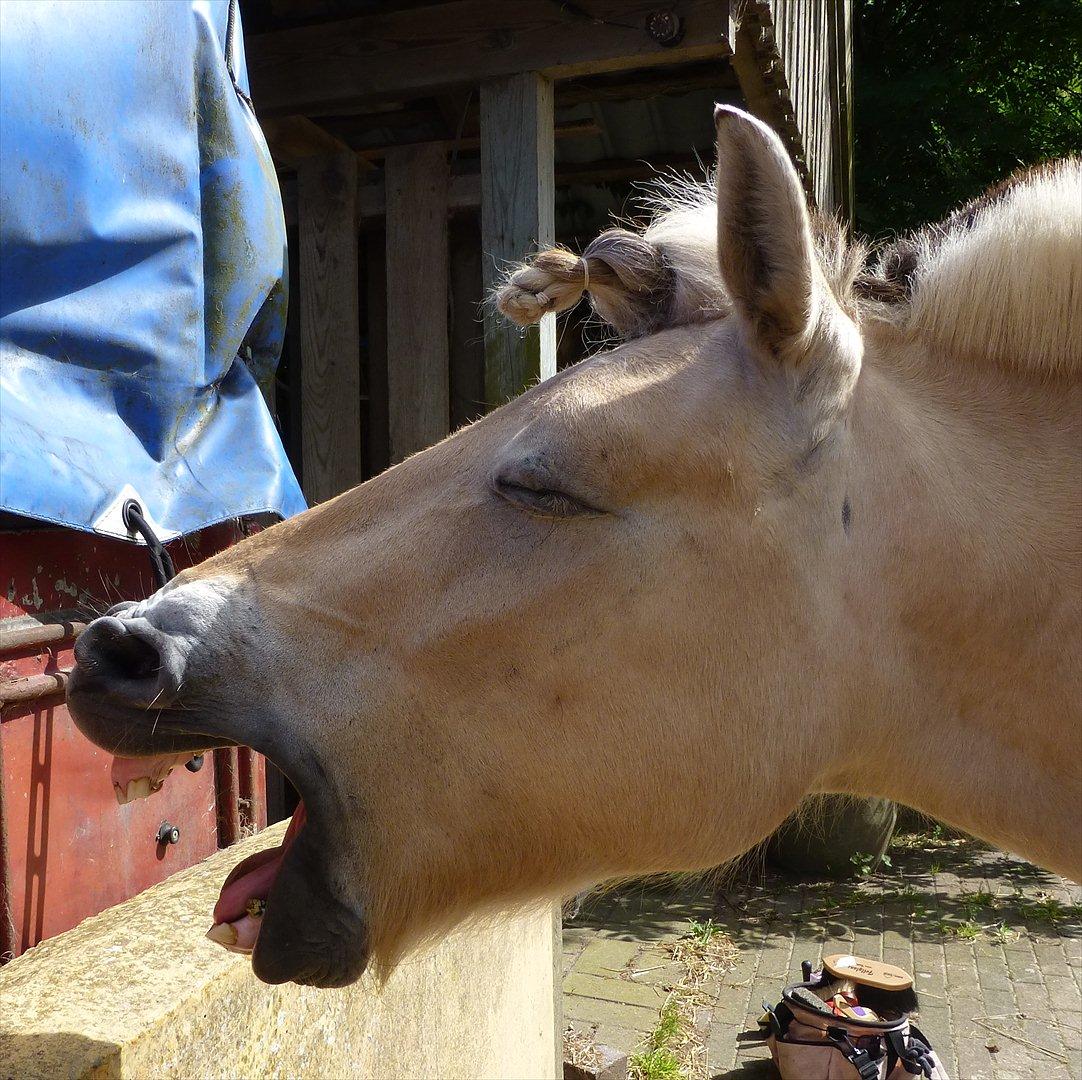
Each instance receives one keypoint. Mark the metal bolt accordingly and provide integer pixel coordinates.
(168, 834)
(665, 27)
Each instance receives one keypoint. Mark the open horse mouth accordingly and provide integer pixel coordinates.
(238, 914)
(291, 907)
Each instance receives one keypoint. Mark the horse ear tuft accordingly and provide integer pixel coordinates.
(770, 267)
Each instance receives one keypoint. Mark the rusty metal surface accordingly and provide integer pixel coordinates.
(240, 781)
(67, 849)
(72, 850)
(40, 629)
(33, 687)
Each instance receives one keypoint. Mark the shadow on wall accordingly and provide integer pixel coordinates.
(57, 1053)
(758, 1069)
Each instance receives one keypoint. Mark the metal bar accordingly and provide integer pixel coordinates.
(25, 631)
(33, 687)
(8, 935)
(227, 795)
(248, 801)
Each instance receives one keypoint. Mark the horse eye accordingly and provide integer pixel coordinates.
(539, 500)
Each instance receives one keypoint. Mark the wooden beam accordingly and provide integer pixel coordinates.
(463, 193)
(571, 129)
(618, 170)
(417, 349)
(467, 327)
(293, 139)
(517, 218)
(330, 356)
(377, 438)
(683, 79)
(424, 50)
(760, 72)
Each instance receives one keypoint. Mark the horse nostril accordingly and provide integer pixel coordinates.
(107, 647)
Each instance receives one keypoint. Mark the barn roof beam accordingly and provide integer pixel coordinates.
(419, 50)
(464, 191)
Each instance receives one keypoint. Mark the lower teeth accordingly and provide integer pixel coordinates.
(255, 908)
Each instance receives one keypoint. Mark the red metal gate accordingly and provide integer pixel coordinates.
(67, 850)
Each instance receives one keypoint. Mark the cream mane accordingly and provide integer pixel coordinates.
(999, 280)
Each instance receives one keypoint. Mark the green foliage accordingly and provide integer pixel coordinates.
(967, 930)
(659, 1059)
(670, 1025)
(951, 96)
(657, 1064)
(976, 903)
(703, 932)
(867, 863)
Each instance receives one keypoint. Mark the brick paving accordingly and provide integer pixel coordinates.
(994, 944)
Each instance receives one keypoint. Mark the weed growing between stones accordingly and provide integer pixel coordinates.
(675, 1050)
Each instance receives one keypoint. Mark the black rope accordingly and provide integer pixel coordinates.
(161, 561)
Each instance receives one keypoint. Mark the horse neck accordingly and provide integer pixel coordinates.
(965, 525)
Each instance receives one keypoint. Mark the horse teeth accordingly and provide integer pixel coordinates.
(136, 789)
(139, 789)
(222, 934)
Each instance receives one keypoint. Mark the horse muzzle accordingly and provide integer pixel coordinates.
(149, 682)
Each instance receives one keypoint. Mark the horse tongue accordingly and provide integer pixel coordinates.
(136, 778)
(239, 911)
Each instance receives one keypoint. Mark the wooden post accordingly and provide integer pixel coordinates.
(330, 333)
(417, 349)
(467, 334)
(517, 217)
(377, 443)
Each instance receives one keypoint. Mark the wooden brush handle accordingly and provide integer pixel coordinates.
(867, 972)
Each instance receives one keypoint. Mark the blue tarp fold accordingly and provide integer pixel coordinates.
(142, 269)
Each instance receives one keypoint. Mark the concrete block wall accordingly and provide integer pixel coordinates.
(137, 991)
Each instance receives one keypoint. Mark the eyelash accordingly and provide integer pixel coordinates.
(542, 500)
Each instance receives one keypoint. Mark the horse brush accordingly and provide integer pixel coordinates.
(885, 989)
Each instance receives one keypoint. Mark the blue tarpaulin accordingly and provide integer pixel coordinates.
(142, 269)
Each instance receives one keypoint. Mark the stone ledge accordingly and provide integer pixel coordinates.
(137, 991)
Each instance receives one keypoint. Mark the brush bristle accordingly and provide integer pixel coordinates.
(889, 1004)
(829, 985)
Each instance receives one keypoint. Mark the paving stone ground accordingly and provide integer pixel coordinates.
(994, 944)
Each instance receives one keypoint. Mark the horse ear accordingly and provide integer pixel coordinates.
(765, 248)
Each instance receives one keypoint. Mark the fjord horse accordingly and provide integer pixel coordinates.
(812, 525)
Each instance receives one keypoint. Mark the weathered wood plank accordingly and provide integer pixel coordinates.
(463, 193)
(377, 438)
(811, 48)
(408, 53)
(293, 139)
(517, 217)
(330, 356)
(417, 348)
(631, 86)
(467, 327)
(572, 129)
